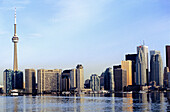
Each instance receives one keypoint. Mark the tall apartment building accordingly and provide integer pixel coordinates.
(80, 77)
(95, 82)
(66, 80)
(127, 65)
(49, 80)
(30, 80)
(73, 78)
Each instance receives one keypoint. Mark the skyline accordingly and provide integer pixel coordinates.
(94, 34)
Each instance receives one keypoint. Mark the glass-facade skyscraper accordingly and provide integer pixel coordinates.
(8, 80)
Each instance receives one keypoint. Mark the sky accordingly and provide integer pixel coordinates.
(59, 34)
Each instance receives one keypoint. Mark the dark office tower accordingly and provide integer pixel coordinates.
(166, 70)
(18, 79)
(114, 68)
(30, 81)
(66, 80)
(168, 56)
(8, 80)
(109, 80)
(156, 68)
(120, 79)
(87, 84)
(141, 77)
(102, 80)
(132, 57)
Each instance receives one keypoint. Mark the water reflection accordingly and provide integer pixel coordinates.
(155, 101)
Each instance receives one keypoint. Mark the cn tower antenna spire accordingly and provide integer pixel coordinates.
(15, 16)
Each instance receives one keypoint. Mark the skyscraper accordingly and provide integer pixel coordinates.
(49, 80)
(66, 80)
(168, 56)
(15, 41)
(120, 79)
(18, 75)
(95, 82)
(30, 80)
(80, 77)
(145, 58)
(109, 80)
(156, 68)
(127, 65)
(73, 78)
(166, 71)
(8, 80)
(132, 57)
(141, 68)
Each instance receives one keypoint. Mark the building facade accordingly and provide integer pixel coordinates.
(141, 76)
(95, 82)
(166, 70)
(8, 80)
(66, 80)
(127, 65)
(120, 79)
(80, 77)
(132, 57)
(168, 56)
(19, 79)
(144, 50)
(109, 80)
(49, 80)
(156, 68)
(30, 81)
(73, 78)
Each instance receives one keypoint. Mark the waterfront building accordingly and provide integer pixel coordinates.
(73, 78)
(109, 80)
(127, 65)
(166, 70)
(18, 75)
(95, 82)
(66, 80)
(168, 79)
(132, 57)
(87, 84)
(30, 81)
(168, 56)
(80, 77)
(156, 68)
(49, 80)
(102, 80)
(120, 79)
(8, 80)
(144, 50)
(141, 76)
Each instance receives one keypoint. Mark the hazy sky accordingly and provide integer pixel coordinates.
(95, 33)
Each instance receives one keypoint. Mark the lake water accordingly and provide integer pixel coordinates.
(154, 101)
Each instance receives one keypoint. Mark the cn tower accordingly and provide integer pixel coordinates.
(15, 41)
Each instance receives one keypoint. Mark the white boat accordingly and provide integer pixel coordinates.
(14, 92)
